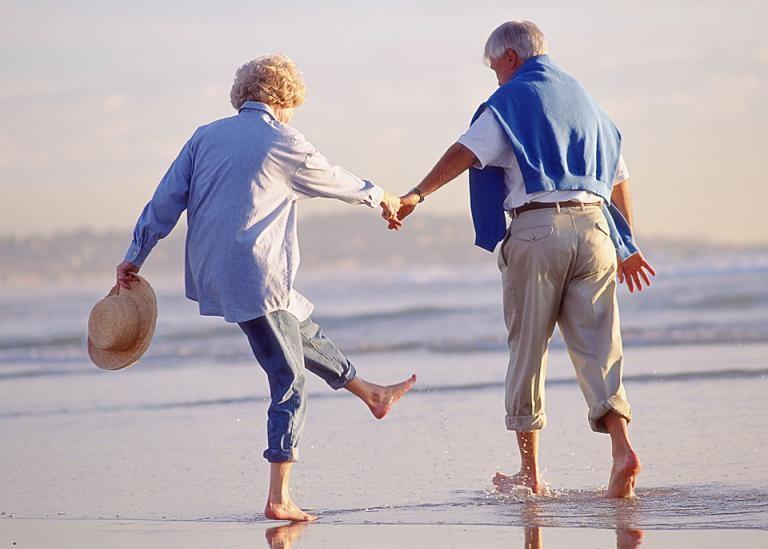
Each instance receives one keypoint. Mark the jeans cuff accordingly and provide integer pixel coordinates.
(342, 381)
(526, 423)
(281, 456)
(615, 404)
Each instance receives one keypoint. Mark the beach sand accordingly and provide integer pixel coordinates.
(171, 456)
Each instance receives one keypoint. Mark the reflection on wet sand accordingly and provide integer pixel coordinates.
(535, 515)
(282, 537)
(627, 536)
(533, 538)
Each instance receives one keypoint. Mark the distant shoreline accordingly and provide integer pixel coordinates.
(344, 244)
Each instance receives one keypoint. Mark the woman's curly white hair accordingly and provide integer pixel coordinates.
(271, 79)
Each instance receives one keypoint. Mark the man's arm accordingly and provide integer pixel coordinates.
(453, 163)
(634, 268)
(622, 199)
(456, 160)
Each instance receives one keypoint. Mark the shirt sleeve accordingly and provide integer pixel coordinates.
(162, 212)
(488, 142)
(622, 173)
(316, 177)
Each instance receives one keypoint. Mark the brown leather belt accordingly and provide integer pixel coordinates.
(544, 205)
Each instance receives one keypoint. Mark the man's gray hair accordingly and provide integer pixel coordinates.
(522, 37)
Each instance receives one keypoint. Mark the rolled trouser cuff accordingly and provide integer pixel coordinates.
(615, 404)
(281, 456)
(342, 381)
(526, 423)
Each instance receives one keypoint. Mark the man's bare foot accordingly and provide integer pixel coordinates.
(623, 476)
(506, 484)
(282, 537)
(287, 510)
(384, 398)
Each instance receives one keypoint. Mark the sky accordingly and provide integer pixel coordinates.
(98, 97)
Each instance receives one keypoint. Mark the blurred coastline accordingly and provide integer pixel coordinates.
(346, 244)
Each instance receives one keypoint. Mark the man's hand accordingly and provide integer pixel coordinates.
(632, 270)
(408, 203)
(125, 272)
(390, 205)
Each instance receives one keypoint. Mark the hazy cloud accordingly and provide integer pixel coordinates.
(97, 98)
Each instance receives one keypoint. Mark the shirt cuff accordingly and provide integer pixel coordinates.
(136, 255)
(375, 195)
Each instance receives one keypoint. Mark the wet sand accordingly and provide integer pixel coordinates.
(39, 534)
(171, 457)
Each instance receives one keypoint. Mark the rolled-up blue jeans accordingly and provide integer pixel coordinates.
(285, 348)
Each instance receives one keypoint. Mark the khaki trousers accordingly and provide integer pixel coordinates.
(558, 265)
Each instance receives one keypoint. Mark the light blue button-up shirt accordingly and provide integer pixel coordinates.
(240, 179)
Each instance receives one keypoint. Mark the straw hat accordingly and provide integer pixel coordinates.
(121, 325)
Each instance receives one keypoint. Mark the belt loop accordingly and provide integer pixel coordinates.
(581, 206)
(557, 205)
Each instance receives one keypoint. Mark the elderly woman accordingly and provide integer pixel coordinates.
(240, 180)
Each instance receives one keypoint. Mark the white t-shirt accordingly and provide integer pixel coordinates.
(488, 142)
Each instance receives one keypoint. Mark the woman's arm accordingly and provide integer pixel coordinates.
(160, 215)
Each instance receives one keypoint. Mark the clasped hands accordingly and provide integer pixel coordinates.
(394, 209)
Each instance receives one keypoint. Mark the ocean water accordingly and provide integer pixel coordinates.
(179, 435)
(715, 300)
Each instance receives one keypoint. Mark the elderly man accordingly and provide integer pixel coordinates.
(240, 179)
(542, 150)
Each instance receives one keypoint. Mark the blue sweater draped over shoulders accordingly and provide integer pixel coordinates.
(562, 140)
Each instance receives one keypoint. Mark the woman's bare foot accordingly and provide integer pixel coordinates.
(282, 537)
(506, 484)
(623, 476)
(382, 399)
(287, 510)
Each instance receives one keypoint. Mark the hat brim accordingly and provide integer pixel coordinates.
(144, 297)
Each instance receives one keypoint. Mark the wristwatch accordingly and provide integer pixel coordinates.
(418, 192)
